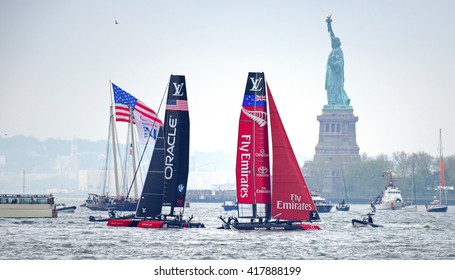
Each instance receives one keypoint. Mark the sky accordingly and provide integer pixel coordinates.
(58, 58)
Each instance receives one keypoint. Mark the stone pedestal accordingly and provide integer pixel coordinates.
(337, 147)
(337, 136)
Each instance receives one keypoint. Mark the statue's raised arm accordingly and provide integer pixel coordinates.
(329, 25)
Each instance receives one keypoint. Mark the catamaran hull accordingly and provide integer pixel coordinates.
(270, 226)
(153, 223)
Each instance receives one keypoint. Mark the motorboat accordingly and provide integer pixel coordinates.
(365, 221)
(322, 205)
(111, 216)
(62, 207)
(229, 205)
(362, 223)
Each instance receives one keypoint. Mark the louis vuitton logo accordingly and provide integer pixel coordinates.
(256, 84)
(178, 89)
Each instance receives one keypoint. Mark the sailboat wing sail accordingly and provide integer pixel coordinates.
(291, 199)
(177, 141)
(252, 165)
(152, 192)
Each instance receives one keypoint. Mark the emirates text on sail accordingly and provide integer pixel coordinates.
(244, 164)
(295, 204)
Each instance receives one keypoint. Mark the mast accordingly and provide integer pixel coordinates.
(441, 170)
(106, 163)
(345, 189)
(414, 183)
(114, 145)
(133, 152)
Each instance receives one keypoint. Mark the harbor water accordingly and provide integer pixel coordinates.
(404, 236)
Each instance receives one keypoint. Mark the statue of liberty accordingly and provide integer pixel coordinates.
(334, 80)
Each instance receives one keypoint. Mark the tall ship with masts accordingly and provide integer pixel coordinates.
(120, 173)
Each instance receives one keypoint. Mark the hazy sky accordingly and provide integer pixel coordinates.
(57, 58)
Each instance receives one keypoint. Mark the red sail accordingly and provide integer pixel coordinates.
(252, 168)
(291, 199)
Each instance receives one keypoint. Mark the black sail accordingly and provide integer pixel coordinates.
(177, 142)
(152, 193)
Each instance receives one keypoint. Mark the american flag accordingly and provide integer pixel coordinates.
(177, 105)
(125, 101)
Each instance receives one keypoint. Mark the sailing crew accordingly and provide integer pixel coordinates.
(111, 213)
(370, 219)
(373, 208)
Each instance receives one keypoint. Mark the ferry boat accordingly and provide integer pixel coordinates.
(27, 206)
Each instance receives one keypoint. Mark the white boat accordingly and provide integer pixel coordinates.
(62, 207)
(27, 206)
(436, 205)
(410, 208)
(391, 198)
(322, 204)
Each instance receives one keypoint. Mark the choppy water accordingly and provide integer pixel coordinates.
(405, 236)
